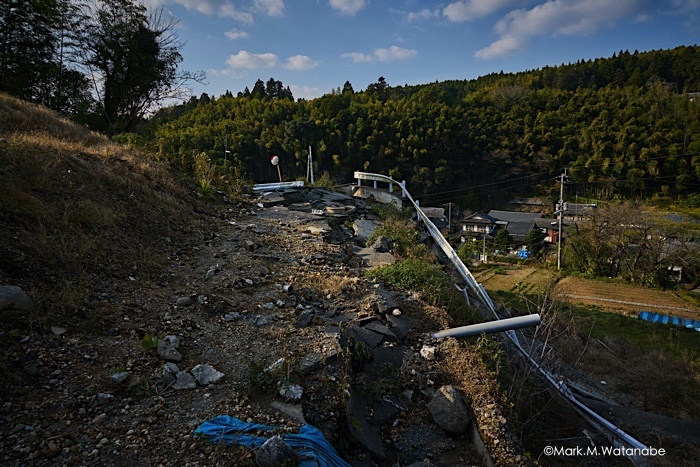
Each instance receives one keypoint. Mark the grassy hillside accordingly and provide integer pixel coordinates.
(78, 212)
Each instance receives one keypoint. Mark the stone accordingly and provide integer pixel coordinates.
(261, 320)
(291, 392)
(210, 273)
(232, 316)
(382, 244)
(449, 411)
(428, 352)
(183, 301)
(276, 453)
(119, 377)
(52, 451)
(58, 331)
(104, 398)
(12, 296)
(184, 380)
(250, 246)
(170, 371)
(305, 318)
(206, 374)
(167, 349)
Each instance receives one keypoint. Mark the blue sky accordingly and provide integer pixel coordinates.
(315, 46)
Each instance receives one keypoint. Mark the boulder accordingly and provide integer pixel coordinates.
(15, 297)
(449, 411)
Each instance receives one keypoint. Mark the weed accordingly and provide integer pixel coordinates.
(149, 342)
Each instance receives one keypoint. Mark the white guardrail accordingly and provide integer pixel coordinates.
(615, 435)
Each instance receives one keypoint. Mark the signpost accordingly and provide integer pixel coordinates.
(275, 160)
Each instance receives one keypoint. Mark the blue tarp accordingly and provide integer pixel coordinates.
(666, 319)
(309, 443)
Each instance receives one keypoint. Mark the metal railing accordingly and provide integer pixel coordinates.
(615, 435)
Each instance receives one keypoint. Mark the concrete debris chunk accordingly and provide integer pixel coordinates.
(206, 374)
(276, 453)
(184, 380)
(167, 349)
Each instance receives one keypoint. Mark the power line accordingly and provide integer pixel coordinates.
(548, 174)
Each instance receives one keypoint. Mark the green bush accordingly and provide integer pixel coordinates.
(414, 274)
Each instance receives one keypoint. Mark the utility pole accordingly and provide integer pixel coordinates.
(310, 168)
(561, 207)
(225, 149)
(449, 217)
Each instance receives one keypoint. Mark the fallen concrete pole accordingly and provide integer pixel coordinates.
(500, 325)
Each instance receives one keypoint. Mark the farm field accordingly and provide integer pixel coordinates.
(607, 296)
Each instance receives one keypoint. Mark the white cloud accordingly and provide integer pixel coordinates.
(305, 92)
(271, 7)
(300, 63)
(555, 18)
(357, 57)
(394, 53)
(469, 10)
(424, 14)
(205, 7)
(686, 6)
(234, 34)
(502, 46)
(245, 59)
(348, 7)
(230, 11)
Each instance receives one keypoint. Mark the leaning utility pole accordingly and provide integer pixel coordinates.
(561, 207)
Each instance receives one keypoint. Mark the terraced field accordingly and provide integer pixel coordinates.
(607, 296)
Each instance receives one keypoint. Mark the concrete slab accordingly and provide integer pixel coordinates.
(374, 258)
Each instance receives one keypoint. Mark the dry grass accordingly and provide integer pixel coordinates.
(77, 210)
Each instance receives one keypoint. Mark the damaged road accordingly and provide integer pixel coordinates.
(266, 317)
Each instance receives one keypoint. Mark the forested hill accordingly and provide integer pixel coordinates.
(625, 126)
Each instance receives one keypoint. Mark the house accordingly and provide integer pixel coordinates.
(477, 225)
(549, 227)
(577, 212)
(518, 224)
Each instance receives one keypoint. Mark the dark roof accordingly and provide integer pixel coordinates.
(544, 223)
(515, 216)
(519, 230)
(439, 223)
(573, 209)
(479, 218)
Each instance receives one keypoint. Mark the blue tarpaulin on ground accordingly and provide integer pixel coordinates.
(309, 443)
(666, 319)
